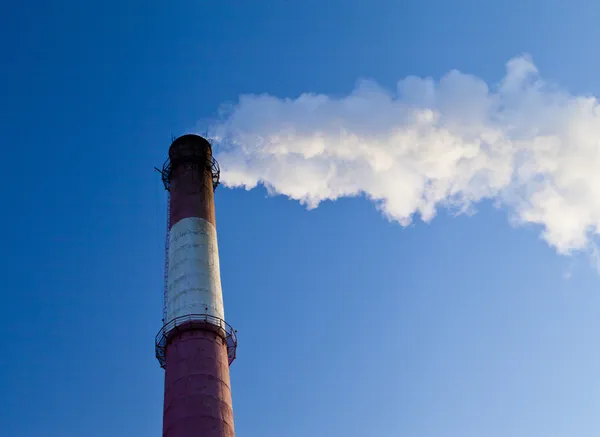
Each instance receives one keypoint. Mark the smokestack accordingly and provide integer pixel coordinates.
(195, 345)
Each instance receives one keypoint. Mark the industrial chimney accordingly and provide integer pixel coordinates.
(195, 346)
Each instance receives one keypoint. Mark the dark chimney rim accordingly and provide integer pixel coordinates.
(190, 139)
(190, 148)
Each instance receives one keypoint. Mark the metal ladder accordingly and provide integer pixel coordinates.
(166, 283)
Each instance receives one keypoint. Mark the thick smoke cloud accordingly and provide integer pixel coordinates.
(525, 143)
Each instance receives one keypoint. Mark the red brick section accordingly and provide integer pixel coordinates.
(197, 386)
(191, 181)
(197, 392)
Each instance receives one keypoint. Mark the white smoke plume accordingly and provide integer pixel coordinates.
(528, 145)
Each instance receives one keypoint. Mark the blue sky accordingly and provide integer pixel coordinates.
(349, 325)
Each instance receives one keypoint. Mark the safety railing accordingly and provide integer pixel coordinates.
(211, 164)
(192, 322)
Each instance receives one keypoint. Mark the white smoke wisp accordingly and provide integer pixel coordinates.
(528, 145)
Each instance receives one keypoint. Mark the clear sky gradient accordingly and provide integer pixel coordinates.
(348, 325)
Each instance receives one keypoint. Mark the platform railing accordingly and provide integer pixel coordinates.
(192, 322)
(211, 164)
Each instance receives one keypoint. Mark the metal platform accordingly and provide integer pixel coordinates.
(190, 152)
(193, 322)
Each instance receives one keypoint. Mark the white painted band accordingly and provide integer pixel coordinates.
(194, 281)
